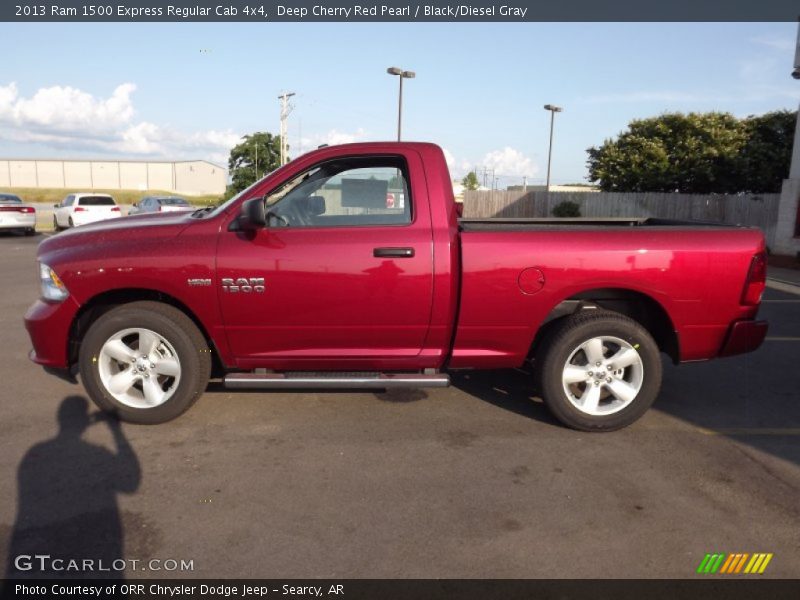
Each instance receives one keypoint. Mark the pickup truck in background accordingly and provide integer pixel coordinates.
(312, 278)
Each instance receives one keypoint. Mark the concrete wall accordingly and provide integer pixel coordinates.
(188, 177)
(760, 210)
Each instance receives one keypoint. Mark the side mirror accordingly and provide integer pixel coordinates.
(134, 205)
(252, 215)
(56, 205)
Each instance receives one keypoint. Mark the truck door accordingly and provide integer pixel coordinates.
(342, 276)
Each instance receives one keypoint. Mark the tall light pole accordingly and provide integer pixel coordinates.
(553, 110)
(401, 75)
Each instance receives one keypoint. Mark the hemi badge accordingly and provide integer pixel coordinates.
(198, 282)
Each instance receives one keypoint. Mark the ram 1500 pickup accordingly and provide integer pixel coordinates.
(349, 267)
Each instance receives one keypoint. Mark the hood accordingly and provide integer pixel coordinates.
(138, 227)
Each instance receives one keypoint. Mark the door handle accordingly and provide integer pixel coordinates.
(393, 252)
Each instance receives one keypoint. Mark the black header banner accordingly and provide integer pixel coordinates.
(261, 11)
(403, 589)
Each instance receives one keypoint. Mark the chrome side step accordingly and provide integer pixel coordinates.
(332, 380)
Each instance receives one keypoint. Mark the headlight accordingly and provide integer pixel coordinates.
(52, 286)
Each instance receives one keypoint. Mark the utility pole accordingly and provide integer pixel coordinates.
(286, 108)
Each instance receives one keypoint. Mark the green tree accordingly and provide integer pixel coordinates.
(767, 154)
(697, 153)
(258, 154)
(470, 181)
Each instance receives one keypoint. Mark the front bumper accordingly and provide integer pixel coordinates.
(744, 336)
(48, 325)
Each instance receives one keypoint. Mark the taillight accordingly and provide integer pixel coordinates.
(79, 209)
(22, 209)
(115, 209)
(756, 280)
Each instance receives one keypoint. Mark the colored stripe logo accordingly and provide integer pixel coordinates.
(734, 564)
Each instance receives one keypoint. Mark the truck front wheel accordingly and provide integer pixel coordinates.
(147, 362)
(599, 371)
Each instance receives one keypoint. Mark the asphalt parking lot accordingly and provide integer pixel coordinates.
(476, 480)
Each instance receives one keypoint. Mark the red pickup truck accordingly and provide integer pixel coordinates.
(350, 268)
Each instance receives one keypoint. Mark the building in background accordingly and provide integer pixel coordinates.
(186, 177)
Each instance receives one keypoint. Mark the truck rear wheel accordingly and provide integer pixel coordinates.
(599, 371)
(146, 362)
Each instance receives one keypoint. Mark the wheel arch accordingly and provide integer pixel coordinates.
(641, 307)
(105, 301)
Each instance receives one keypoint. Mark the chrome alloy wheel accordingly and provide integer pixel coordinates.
(139, 368)
(603, 375)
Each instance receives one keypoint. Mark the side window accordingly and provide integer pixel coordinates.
(344, 193)
(68, 200)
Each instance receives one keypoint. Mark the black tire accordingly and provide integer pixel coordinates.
(172, 325)
(564, 341)
(56, 226)
(71, 223)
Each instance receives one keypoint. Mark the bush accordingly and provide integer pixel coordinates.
(567, 209)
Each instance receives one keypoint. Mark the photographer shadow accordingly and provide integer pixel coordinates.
(67, 501)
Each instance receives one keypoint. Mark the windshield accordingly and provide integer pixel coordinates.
(224, 206)
(173, 201)
(10, 198)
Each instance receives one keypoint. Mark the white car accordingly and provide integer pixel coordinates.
(14, 214)
(83, 208)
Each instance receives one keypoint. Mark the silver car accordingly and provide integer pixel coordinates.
(151, 204)
(15, 214)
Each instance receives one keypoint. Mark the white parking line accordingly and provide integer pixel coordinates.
(751, 431)
(783, 287)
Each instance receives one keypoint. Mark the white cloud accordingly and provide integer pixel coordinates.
(144, 138)
(449, 158)
(332, 138)
(510, 162)
(67, 118)
(66, 108)
(458, 168)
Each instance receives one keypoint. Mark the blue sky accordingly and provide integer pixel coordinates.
(189, 90)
